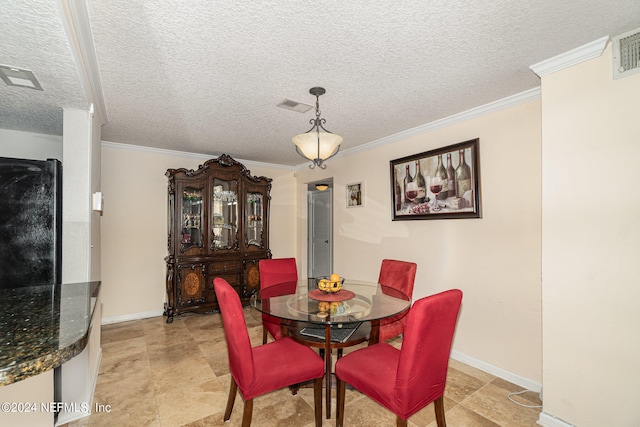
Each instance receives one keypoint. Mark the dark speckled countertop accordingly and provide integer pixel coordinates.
(41, 327)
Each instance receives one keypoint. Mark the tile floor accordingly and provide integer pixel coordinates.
(154, 374)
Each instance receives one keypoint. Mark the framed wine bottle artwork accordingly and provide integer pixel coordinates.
(439, 184)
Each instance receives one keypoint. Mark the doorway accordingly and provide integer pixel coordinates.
(320, 229)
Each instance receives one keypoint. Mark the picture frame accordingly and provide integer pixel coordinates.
(355, 195)
(432, 194)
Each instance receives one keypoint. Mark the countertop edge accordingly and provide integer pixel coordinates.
(38, 365)
(42, 364)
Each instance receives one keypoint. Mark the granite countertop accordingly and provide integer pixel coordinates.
(41, 327)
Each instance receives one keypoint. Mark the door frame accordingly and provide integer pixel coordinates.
(311, 190)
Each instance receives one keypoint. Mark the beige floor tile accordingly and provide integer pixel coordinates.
(172, 353)
(131, 402)
(461, 385)
(190, 403)
(491, 402)
(118, 366)
(526, 397)
(120, 331)
(459, 416)
(184, 372)
(158, 374)
(124, 347)
(470, 370)
(367, 413)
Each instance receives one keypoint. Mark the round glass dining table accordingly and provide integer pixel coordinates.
(356, 309)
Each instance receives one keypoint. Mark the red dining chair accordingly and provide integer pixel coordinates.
(259, 370)
(405, 381)
(273, 272)
(399, 275)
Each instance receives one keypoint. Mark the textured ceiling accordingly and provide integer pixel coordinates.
(205, 77)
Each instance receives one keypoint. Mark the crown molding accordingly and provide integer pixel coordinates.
(75, 20)
(492, 107)
(204, 157)
(568, 59)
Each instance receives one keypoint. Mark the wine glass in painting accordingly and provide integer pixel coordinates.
(435, 186)
(411, 192)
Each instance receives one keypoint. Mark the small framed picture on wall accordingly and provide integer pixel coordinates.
(355, 196)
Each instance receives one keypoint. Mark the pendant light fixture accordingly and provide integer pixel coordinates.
(317, 144)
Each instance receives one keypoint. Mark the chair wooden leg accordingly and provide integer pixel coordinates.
(340, 396)
(439, 407)
(400, 422)
(233, 388)
(317, 400)
(294, 389)
(248, 410)
(264, 335)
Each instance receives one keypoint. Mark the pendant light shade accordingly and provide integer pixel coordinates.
(317, 144)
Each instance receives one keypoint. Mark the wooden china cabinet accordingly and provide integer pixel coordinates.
(218, 225)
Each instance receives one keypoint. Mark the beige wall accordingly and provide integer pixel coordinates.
(134, 225)
(495, 260)
(591, 244)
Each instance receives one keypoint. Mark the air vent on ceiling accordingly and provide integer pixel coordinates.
(13, 76)
(626, 54)
(290, 104)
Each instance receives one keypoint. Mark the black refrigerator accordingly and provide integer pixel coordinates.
(30, 222)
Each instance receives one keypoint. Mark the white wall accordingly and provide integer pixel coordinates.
(26, 145)
(77, 170)
(495, 260)
(134, 224)
(591, 245)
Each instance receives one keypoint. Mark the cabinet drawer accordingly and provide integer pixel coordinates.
(232, 278)
(221, 266)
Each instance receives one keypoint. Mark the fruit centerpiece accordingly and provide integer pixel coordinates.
(330, 285)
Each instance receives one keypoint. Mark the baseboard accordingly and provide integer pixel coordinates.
(498, 372)
(547, 420)
(132, 316)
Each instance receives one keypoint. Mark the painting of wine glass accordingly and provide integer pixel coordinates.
(439, 184)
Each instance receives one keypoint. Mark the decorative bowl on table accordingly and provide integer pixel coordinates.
(330, 284)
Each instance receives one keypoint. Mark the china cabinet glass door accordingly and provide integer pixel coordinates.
(224, 215)
(191, 218)
(254, 219)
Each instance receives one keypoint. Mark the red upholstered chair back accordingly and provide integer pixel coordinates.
(277, 270)
(426, 347)
(398, 275)
(236, 334)
(273, 272)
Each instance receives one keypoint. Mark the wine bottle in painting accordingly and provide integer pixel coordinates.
(398, 190)
(442, 174)
(451, 177)
(410, 187)
(463, 176)
(422, 187)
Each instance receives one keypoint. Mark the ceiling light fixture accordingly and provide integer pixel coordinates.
(317, 144)
(321, 187)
